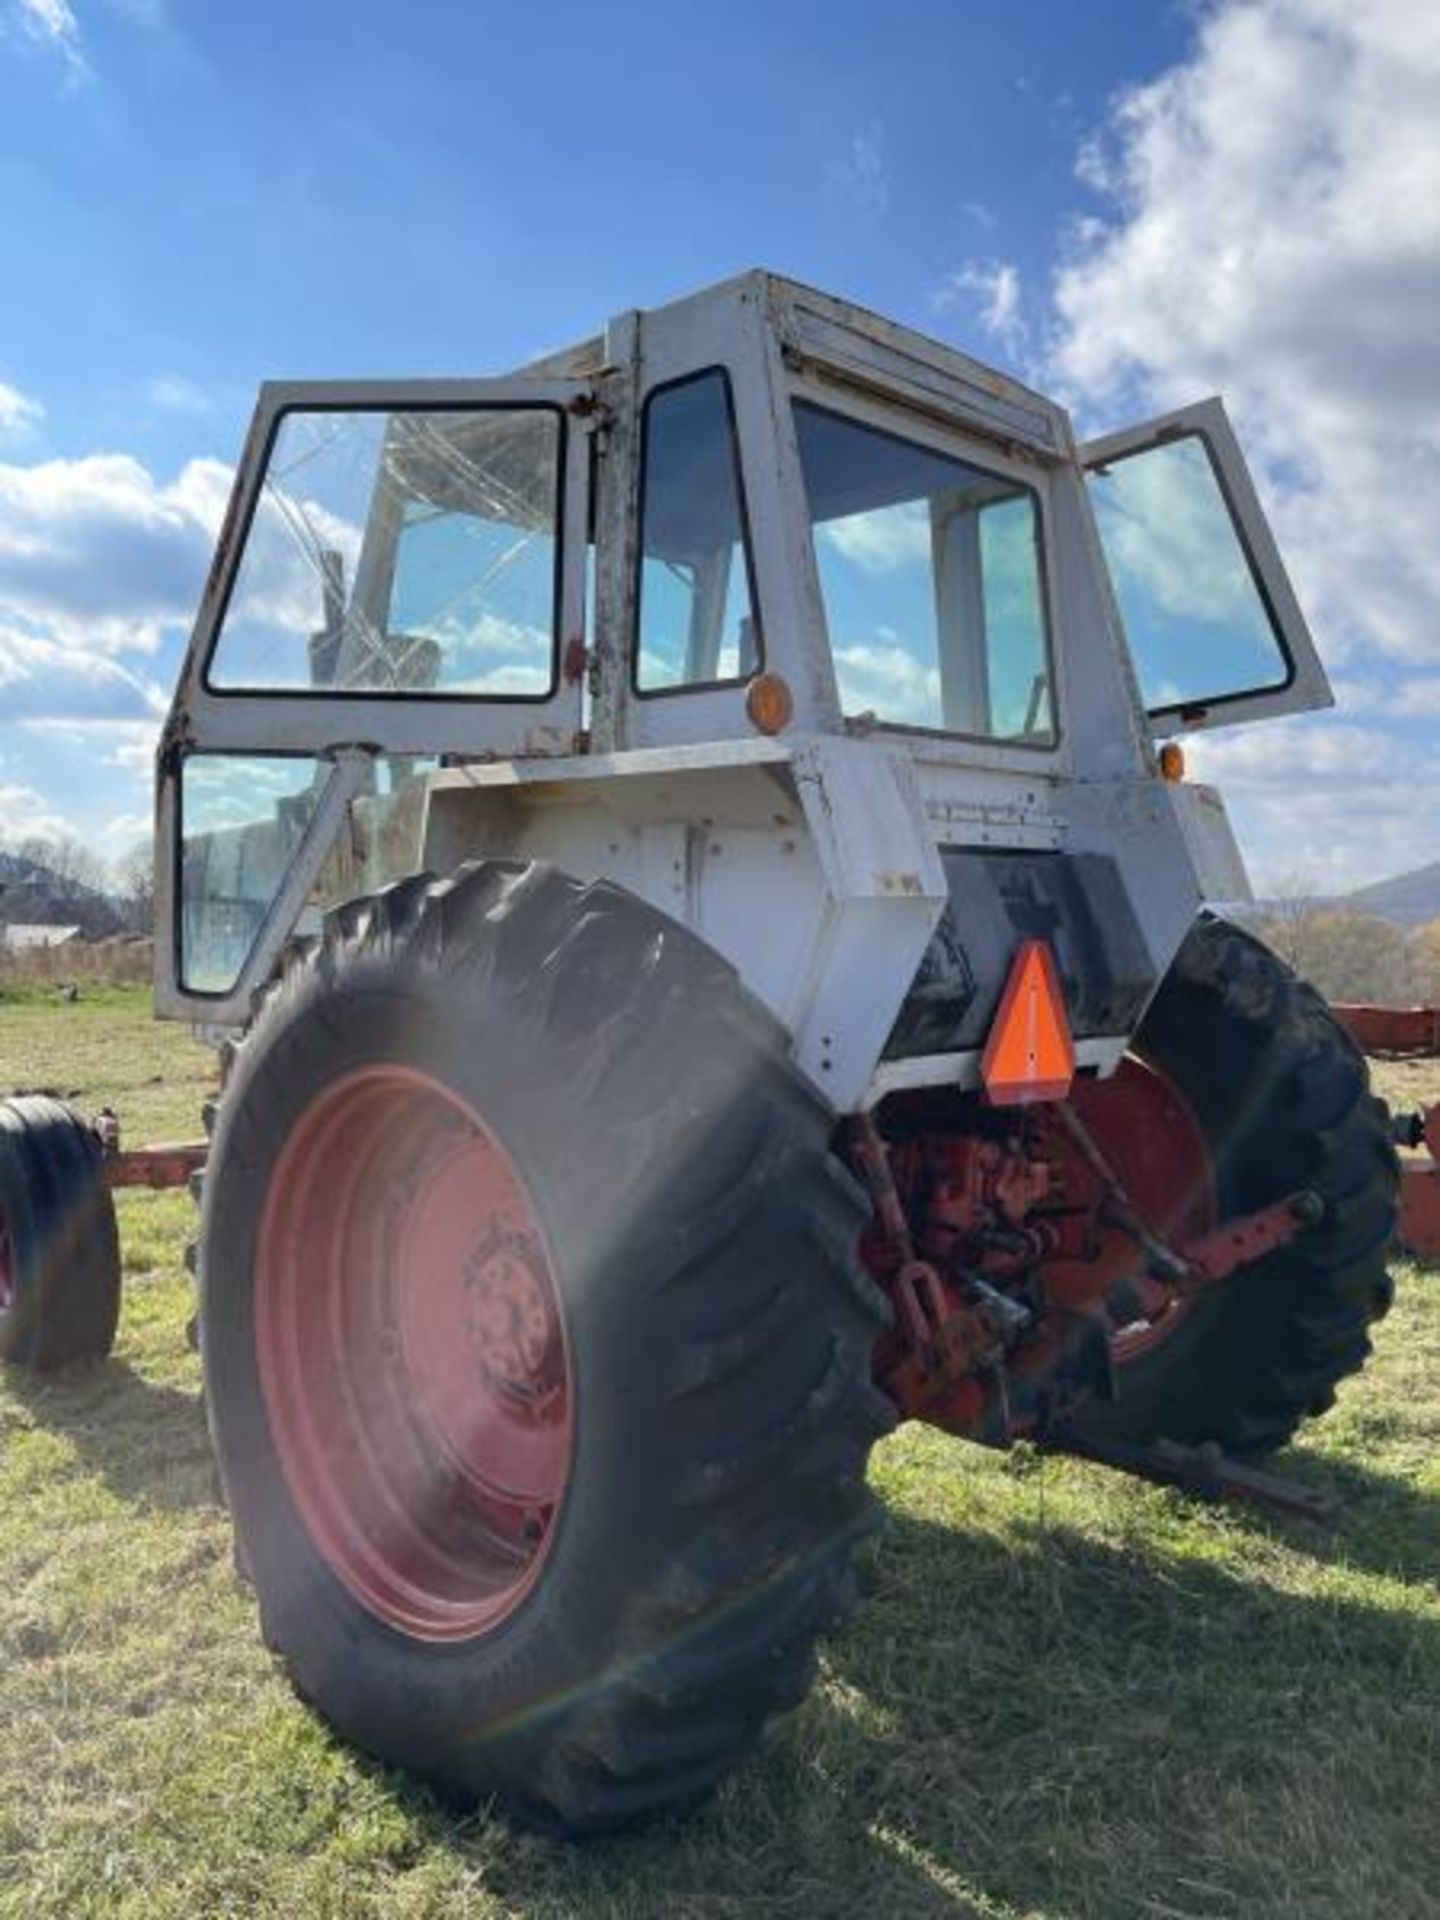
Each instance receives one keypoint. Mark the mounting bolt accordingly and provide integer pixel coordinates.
(1307, 1208)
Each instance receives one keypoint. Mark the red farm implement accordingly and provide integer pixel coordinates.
(1409, 1033)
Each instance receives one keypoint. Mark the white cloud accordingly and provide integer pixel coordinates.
(128, 830)
(52, 23)
(97, 553)
(1330, 802)
(127, 744)
(887, 681)
(100, 562)
(18, 412)
(1272, 234)
(26, 814)
(51, 19)
(884, 538)
(1167, 531)
(1414, 697)
(863, 172)
(176, 393)
(990, 291)
(1269, 230)
(44, 678)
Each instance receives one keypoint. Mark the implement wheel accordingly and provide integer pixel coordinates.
(1251, 1090)
(537, 1362)
(59, 1252)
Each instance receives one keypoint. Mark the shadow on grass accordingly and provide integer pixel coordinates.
(1054, 1726)
(147, 1443)
(1040, 1724)
(1384, 1525)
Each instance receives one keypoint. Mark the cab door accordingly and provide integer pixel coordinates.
(400, 577)
(1214, 628)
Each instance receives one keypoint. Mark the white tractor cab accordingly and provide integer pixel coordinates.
(795, 623)
(714, 964)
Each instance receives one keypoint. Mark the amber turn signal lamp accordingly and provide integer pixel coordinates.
(1172, 761)
(768, 703)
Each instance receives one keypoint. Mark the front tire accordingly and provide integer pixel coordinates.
(1281, 1097)
(536, 1353)
(59, 1249)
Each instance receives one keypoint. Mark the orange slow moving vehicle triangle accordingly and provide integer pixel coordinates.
(1030, 1054)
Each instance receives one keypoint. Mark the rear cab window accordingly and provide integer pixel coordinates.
(932, 577)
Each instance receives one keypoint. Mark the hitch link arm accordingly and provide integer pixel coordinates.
(1213, 1256)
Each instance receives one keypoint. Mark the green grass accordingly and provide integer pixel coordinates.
(1065, 1694)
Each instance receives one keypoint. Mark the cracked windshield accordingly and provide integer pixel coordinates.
(401, 553)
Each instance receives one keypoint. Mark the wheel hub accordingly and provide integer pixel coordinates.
(508, 1323)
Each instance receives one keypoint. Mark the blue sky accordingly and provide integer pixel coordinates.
(1134, 201)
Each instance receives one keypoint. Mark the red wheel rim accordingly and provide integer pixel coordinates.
(412, 1354)
(1162, 1158)
(8, 1280)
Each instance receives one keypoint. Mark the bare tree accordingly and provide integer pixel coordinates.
(1356, 956)
(1346, 954)
(1287, 920)
(70, 864)
(135, 874)
(1425, 963)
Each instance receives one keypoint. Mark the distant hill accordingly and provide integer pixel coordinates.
(1409, 899)
(31, 895)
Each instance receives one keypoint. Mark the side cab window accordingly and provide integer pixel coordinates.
(696, 595)
(1214, 628)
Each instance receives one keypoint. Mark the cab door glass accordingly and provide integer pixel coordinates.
(243, 817)
(401, 553)
(1199, 627)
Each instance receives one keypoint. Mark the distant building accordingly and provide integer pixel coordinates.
(20, 939)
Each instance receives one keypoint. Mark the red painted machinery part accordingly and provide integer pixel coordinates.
(1040, 1186)
(157, 1167)
(1414, 1031)
(1160, 1155)
(1391, 1029)
(1420, 1207)
(412, 1353)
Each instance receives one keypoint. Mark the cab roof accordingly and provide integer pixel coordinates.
(847, 345)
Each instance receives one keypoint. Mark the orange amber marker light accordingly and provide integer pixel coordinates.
(1172, 761)
(1030, 1054)
(768, 703)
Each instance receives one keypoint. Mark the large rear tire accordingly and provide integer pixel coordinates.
(59, 1250)
(536, 1352)
(1281, 1097)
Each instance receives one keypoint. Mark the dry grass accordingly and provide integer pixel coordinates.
(1065, 1695)
(94, 964)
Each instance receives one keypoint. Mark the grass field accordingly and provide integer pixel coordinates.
(1066, 1694)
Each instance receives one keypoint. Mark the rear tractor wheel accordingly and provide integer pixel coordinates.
(537, 1359)
(59, 1251)
(1248, 1089)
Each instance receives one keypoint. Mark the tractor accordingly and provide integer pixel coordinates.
(685, 857)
